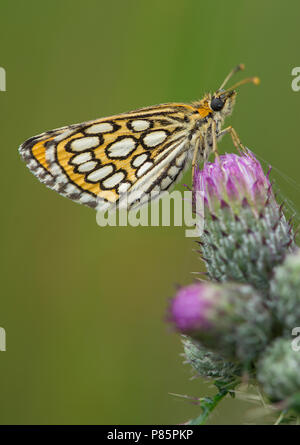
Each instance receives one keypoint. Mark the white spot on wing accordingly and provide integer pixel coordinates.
(70, 189)
(154, 138)
(113, 180)
(55, 170)
(87, 166)
(85, 143)
(173, 171)
(83, 157)
(180, 159)
(121, 148)
(123, 187)
(84, 198)
(140, 125)
(100, 173)
(143, 169)
(139, 160)
(166, 182)
(63, 135)
(32, 163)
(100, 128)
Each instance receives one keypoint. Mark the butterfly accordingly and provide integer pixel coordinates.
(137, 155)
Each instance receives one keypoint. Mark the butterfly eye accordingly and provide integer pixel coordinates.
(216, 104)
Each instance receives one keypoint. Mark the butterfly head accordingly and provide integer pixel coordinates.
(222, 101)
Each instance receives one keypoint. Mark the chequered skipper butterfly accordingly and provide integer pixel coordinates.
(137, 154)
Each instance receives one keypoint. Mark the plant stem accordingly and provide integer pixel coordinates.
(208, 404)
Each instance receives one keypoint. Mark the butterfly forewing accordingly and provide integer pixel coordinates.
(97, 162)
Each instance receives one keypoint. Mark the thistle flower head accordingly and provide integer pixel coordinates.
(191, 309)
(230, 318)
(233, 180)
(246, 233)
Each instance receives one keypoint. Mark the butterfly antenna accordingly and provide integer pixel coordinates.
(254, 80)
(239, 67)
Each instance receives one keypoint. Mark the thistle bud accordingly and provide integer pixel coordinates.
(209, 364)
(278, 373)
(285, 293)
(230, 319)
(245, 232)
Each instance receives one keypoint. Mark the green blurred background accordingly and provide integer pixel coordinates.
(84, 306)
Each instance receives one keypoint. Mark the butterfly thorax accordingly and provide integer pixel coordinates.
(206, 122)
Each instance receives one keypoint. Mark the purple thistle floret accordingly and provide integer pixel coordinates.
(191, 307)
(233, 179)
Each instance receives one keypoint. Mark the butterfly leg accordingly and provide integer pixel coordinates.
(235, 139)
(199, 143)
(194, 161)
(214, 140)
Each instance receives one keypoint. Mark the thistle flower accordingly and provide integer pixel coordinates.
(278, 373)
(234, 180)
(245, 231)
(285, 292)
(229, 319)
